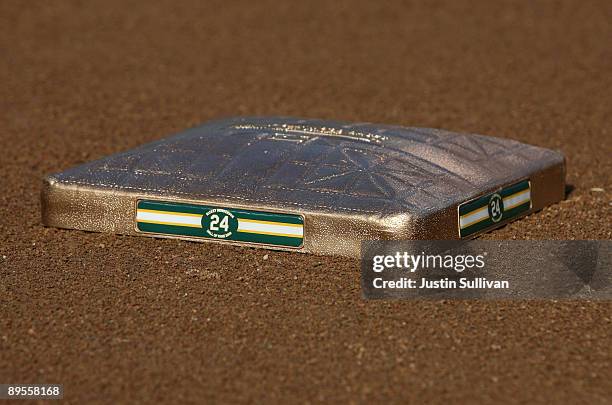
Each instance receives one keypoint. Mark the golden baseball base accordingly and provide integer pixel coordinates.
(307, 185)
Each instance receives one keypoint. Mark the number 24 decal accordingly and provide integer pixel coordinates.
(216, 223)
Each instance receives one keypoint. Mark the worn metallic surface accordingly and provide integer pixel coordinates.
(350, 181)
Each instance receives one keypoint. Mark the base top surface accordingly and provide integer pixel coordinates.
(316, 165)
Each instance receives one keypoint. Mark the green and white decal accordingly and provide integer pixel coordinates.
(220, 223)
(487, 211)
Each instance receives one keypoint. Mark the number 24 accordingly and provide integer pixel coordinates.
(216, 223)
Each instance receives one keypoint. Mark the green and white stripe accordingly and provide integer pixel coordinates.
(168, 218)
(519, 198)
(488, 211)
(270, 228)
(220, 223)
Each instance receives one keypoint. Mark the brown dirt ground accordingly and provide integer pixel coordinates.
(140, 320)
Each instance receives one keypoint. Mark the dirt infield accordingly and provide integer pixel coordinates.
(139, 320)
